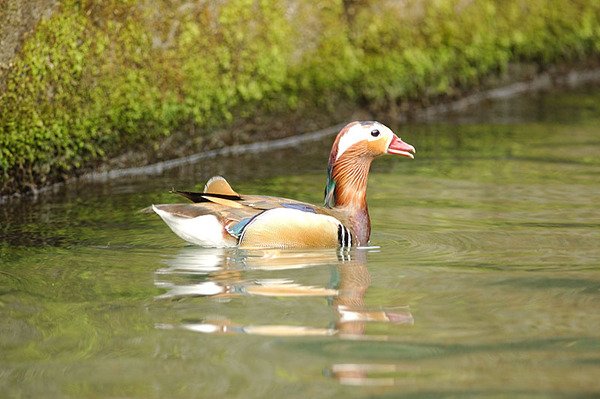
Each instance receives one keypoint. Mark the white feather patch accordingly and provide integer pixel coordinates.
(205, 230)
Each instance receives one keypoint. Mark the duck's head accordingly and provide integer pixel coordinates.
(355, 146)
(368, 140)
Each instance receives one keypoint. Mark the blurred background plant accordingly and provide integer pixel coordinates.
(98, 79)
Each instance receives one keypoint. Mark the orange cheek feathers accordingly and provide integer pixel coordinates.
(378, 147)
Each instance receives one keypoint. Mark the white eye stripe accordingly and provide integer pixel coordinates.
(352, 136)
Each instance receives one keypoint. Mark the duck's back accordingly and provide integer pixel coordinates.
(221, 217)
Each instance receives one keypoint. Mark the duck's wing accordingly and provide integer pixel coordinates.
(225, 213)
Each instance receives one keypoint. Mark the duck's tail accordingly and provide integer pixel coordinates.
(204, 230)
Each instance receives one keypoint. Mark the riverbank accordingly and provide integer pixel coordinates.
(105, 87)
(128, 166)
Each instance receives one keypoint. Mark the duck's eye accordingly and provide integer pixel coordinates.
(374, 132)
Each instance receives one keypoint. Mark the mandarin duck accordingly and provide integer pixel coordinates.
(220, 217)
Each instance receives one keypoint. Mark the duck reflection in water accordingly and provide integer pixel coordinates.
(220, 274)
(225, 274)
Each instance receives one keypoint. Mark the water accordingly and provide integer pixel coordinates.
(484, 278)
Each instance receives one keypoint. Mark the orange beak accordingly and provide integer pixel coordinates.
(399, 147)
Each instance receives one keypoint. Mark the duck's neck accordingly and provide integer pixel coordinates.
(346, 189)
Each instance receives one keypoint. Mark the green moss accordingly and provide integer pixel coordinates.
(100, 77)
(39, 132)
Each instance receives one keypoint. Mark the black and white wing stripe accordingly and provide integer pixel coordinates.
(344, 236)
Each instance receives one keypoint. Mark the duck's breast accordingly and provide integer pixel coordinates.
(292, 228)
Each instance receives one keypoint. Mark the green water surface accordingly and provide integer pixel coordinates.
(484, 278)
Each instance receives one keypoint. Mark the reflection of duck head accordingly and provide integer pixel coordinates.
(350, 302)
(225, 274)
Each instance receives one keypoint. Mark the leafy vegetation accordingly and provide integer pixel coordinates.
(100, 77)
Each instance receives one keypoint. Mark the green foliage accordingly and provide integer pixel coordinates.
(41, 133)
(100, 77)
(424, 49)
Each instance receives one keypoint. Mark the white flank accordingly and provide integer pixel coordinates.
(203, 230)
